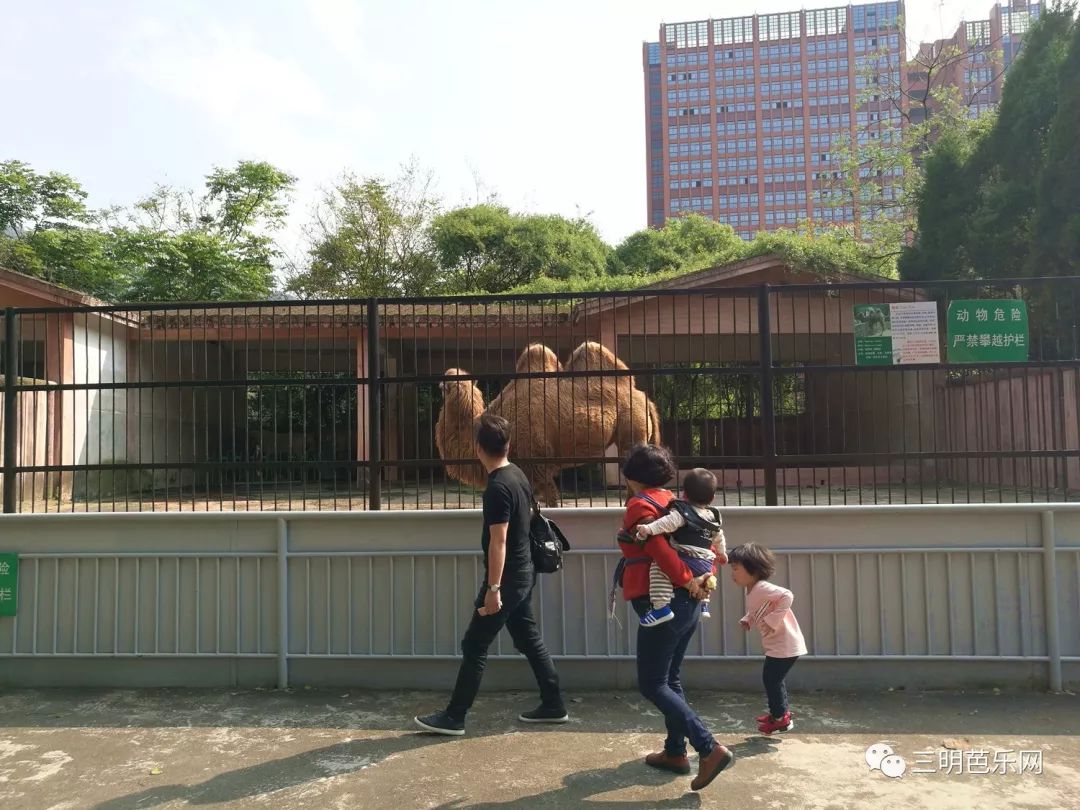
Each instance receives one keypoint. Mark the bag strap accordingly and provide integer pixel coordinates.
(650, 500)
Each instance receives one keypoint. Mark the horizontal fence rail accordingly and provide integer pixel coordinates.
(347, 405)
(975, 583)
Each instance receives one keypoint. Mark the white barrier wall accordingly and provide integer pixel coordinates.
(923, 595)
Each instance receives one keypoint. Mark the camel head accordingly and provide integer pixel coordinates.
(454, 437)
(462, 394)
(537, 357)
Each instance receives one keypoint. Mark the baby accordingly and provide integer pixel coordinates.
(696, 534)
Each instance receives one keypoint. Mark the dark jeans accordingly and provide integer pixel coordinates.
(660, 652)
(517, 616)
(773, 674)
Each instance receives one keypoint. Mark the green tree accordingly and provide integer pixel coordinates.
(943, 207)
(470, 243)
(173, 245)
(877, 176)
(989, 177)
(1056, 227)
(46, 231)
(683, 245)
(486, 248)
(32, 202)
(823, 252)
(370, 237)
(179, 246)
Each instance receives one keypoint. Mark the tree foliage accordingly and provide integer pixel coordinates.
(173, 245)
(1055, 248)
(683, 245)
(217, 246)
(486, 248)
(371, 237)
(982, 198)
(32, 202)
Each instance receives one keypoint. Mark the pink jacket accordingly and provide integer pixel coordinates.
(768, 608)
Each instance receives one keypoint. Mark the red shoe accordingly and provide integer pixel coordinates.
(771, 725)
(765, 718)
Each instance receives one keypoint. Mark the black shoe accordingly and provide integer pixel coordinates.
(440, 723)
(542, 714)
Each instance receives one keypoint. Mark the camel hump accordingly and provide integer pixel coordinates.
(592, 356)
(536, 358)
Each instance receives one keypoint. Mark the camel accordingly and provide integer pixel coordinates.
(554, 420)
(454, 431)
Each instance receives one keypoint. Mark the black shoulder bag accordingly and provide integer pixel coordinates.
(547, 543)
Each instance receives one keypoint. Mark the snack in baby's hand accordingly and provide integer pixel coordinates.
(710, 583)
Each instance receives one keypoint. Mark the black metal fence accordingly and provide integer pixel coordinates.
(369, 404)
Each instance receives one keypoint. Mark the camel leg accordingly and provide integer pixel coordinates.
(543, 484)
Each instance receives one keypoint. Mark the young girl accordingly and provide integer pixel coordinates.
(768, 608)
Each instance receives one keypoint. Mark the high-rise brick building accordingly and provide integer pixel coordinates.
(741, 113)
(974, 59)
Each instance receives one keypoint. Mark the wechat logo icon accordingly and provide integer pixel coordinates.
(881, 757)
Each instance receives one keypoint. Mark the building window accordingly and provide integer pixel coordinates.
(733, 31)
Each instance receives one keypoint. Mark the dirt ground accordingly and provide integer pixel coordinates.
(121, 750)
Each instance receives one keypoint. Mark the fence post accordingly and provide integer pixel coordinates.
(283, 603)
(374, 373)
(11, 411)
(768, 406)
(1050, 597)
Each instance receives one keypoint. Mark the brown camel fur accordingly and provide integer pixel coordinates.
(555, 418)
(455, 430)
(636, 417)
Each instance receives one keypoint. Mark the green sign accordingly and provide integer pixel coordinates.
(987, 331)
(896, 334)
(9, 584)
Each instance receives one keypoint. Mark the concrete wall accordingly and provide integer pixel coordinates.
(932, 596)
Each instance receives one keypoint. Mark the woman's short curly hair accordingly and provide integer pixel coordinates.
(650, 465)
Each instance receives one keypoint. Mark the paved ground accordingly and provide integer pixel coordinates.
(120, 750)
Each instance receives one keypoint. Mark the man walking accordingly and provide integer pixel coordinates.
(506, 595)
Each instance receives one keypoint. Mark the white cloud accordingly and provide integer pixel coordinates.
(246, 92)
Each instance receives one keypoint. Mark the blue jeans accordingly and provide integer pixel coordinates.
(660, 652)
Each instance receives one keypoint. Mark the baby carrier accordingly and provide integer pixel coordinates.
(693, 538)
(696, 531)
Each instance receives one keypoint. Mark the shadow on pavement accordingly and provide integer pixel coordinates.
(583, 786)
(278, 774)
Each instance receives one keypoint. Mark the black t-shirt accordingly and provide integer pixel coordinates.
(508, 499)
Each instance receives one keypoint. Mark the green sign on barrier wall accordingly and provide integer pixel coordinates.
(9, 584)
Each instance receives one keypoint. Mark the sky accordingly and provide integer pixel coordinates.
(541, 103)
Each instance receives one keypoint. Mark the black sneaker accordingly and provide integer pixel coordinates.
(440, 723)
(542, 714)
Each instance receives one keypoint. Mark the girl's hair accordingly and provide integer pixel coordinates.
(650, 465)
(758, 561)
